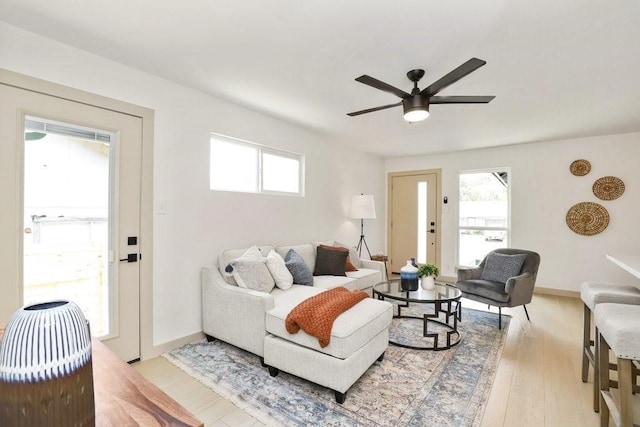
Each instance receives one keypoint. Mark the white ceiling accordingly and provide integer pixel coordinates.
(558, 69)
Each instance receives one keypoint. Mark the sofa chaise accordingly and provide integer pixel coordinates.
(254, 319)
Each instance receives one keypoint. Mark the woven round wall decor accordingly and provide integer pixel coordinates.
(608, 188)
(587, 218)
(580, 167)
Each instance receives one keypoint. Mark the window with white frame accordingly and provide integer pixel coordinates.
(483, 214)
(243, 166)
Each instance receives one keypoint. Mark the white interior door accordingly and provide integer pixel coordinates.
(19, 218)
(413, 220)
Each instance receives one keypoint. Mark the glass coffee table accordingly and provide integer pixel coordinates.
(443, 299)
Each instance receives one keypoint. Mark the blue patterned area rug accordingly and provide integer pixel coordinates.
(408, 388)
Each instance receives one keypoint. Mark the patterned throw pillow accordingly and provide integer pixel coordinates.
(252, 274)
(279, 270)
(330, 262)
(501, 267)
(253, 253)
(298, 269)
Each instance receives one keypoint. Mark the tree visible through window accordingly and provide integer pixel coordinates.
(483, 214)
(243, 166)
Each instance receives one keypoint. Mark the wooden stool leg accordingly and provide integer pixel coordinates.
(625, 388)
(586, 343)
(603, 367)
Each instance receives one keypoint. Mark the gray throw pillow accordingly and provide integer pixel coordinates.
(298, 268)
(330, 262)
(501, 267)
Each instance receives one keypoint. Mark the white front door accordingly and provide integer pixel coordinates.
(70, 223)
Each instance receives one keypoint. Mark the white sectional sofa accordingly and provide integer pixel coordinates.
(254, 320)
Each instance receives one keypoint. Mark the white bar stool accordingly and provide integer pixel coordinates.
(618, 331)
(592, 294)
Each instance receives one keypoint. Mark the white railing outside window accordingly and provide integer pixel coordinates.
(483, 213)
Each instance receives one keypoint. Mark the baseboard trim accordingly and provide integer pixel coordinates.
(170, 345)
(448, 280)
(556, 292)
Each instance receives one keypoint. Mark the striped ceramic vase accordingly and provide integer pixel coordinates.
(46, 374)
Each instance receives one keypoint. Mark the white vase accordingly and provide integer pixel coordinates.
(428, 283)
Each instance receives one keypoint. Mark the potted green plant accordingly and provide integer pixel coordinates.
(428, 272)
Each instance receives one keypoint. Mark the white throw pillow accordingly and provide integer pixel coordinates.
(279, 271)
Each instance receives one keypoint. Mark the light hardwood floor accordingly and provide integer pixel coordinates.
(538, 382)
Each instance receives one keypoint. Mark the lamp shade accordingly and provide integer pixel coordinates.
(46, 373)
(362, 207)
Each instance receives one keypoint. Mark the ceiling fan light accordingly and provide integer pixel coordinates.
(415, 108)
(416, 115)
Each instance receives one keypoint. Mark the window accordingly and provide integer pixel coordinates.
(483, 212)
(243, 166)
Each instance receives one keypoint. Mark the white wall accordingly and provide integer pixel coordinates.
(542, 190)
(199, 223)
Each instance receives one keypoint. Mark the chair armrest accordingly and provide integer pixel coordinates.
(234, 314)
(375, 265)
(520, 288)
(469, 273)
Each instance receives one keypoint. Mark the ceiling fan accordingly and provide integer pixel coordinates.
(416, 104)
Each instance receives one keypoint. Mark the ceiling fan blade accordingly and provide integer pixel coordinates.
(371, 110)
(455, 75)
(460, 99)
(380, 85)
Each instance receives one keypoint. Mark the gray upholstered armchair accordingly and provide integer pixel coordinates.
(504, 278)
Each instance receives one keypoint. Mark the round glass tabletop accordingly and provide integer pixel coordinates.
(391, 289)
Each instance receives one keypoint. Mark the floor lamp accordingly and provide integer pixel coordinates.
(362, 207)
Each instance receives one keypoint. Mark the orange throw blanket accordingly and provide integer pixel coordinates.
(316, 315)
